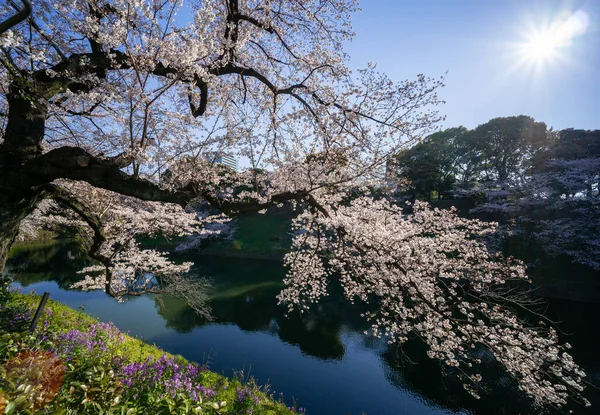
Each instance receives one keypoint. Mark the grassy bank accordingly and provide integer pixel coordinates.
(256, 236)
(73, 364)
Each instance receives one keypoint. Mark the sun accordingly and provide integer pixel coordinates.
(542, 46)
(545, 45)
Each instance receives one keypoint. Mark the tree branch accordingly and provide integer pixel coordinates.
(17, 18)
(77, 164)
(69, 201)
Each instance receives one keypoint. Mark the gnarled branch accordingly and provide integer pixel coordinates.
(69, 201)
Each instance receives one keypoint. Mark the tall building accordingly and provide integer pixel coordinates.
(222, 158)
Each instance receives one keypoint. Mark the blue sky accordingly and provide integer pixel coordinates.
(477, 42)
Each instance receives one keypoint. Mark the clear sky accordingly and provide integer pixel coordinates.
(503, 57)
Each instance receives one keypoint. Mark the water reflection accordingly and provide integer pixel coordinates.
(321, 358)
(47, 261)
(316, 334)
(409, 368)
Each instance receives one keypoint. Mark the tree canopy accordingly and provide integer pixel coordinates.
(435, 164)
(549, 194)
(501, 149)
(506, 142)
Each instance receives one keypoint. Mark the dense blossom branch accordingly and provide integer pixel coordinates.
(111, 224)
(430, 274)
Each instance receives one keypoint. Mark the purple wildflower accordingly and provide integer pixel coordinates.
(167, 376)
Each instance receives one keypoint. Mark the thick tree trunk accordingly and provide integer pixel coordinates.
(25, 128)
(22, 142)
(12, 212)
(9, 227)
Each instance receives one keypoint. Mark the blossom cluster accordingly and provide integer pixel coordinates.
(117, 224)
(429, 273)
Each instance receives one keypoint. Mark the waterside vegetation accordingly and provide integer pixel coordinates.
(73, 364)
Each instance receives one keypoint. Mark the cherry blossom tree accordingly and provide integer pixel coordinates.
(109, 106)
(558, 207)
(115, 92)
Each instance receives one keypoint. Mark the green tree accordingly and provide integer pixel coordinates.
(574, 144)
(431, 166)
(506, 144)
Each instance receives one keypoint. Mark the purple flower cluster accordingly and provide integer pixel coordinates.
(246, 394)
(14, 318)
(98, 338)
(14, 289)
(166, 375)
(21, 318)
(246, 400)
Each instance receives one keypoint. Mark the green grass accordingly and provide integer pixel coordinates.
(258, 233)
(64, 318)
(243, 290)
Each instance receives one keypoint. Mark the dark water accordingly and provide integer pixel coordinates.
(322, 360)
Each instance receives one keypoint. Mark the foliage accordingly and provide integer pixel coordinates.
(457, 158)
(14, 317)
(571, 144)
(75, 364)
(5, 281)
(506, 143)
(542, 184)
(431, 165)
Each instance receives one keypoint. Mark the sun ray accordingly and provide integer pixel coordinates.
(546, 45)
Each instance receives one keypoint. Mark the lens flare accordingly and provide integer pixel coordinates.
(37, 376)
(545, 44)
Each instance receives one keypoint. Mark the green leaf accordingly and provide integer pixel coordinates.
(10, 408)
(19, 400)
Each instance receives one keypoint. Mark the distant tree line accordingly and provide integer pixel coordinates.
(543, 184)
